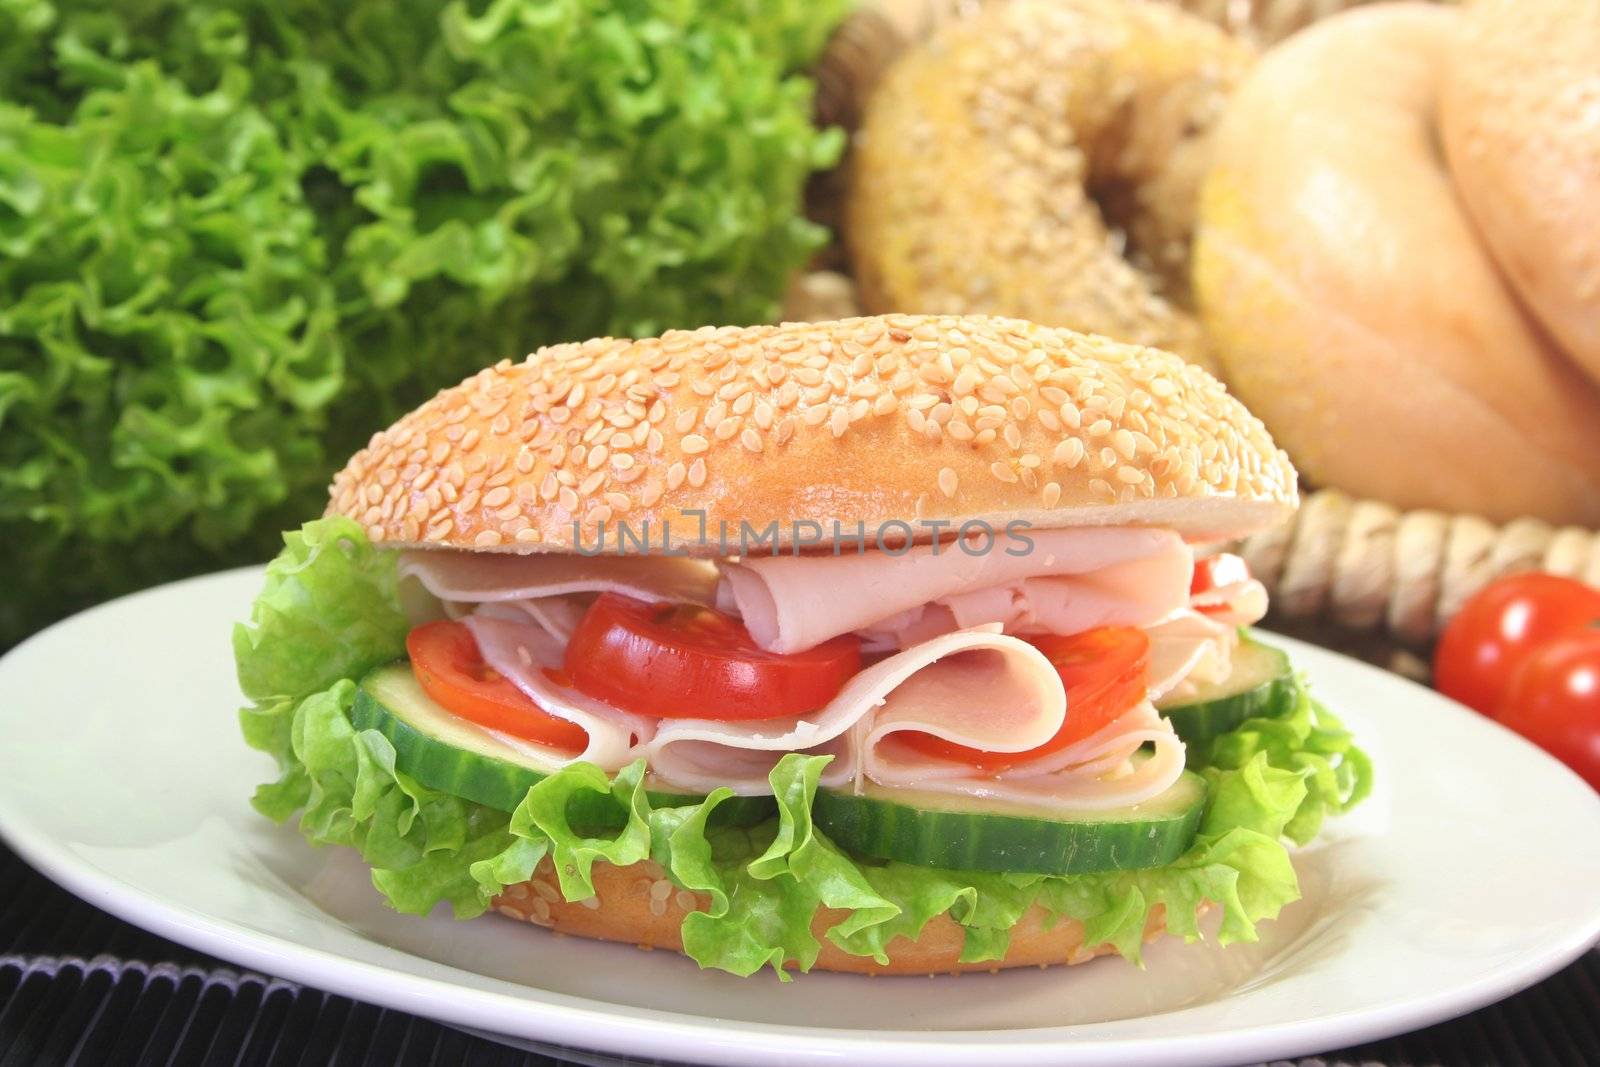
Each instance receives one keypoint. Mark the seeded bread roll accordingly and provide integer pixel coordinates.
(1519, 119)
(861, 420)
(1354, 303)
(1042, 159)
(639, 906)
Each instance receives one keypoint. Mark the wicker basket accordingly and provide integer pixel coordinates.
(1357, 574)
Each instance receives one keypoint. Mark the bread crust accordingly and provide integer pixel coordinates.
(1352, 301)
(1001, 164)
(899, 418)
(638, 905)
(1520, 127)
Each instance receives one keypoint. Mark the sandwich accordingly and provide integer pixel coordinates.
(886, 645)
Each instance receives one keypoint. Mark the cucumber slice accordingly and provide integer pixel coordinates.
(965, 833)
(445, 752)
(1261, 684)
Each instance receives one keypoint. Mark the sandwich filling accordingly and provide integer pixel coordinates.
(964, 660)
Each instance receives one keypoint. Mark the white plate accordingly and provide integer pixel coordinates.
(1470, 875)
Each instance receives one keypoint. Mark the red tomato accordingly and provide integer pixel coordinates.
(1104, 674)
(1553, 700)
(684, 661)
(1214, 572)
(1496, 629)
(447, 664)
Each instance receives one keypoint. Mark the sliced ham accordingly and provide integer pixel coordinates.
(523, 651)
(1196, 645)
(978, 688)
(1092, 774)
(480, 577)
(1237, 603)
(1189, 645)
(1071, 580)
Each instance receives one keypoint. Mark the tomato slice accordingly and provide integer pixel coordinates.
(1104, 674)
(447, 664)
(685, 661)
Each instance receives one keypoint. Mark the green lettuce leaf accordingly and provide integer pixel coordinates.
(1311, 741)
(329, 612)
(238, 235)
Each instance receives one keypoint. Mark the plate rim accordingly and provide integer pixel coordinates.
(571, 1020)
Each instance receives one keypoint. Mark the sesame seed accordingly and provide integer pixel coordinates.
(597, 457)
(751, 440)
(496, 497)
(1068, 453)
(947, 481)
(727, 428)
(1003, 472)
(1052, 494)
(591, 483)
(697, 473)
(694, 444)
(675, 475)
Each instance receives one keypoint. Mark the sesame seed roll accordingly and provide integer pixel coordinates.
(1042, 159)
(867, 420)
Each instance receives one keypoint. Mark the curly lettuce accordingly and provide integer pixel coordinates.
(235, 235)
(329, 612)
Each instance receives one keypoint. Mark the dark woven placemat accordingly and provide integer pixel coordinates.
(79, 986)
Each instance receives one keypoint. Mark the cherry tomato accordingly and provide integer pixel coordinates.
(447, 664)
(1496, 629)
(676, 661)
(1103, 671)
(1553, 700)
(1215, 572)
